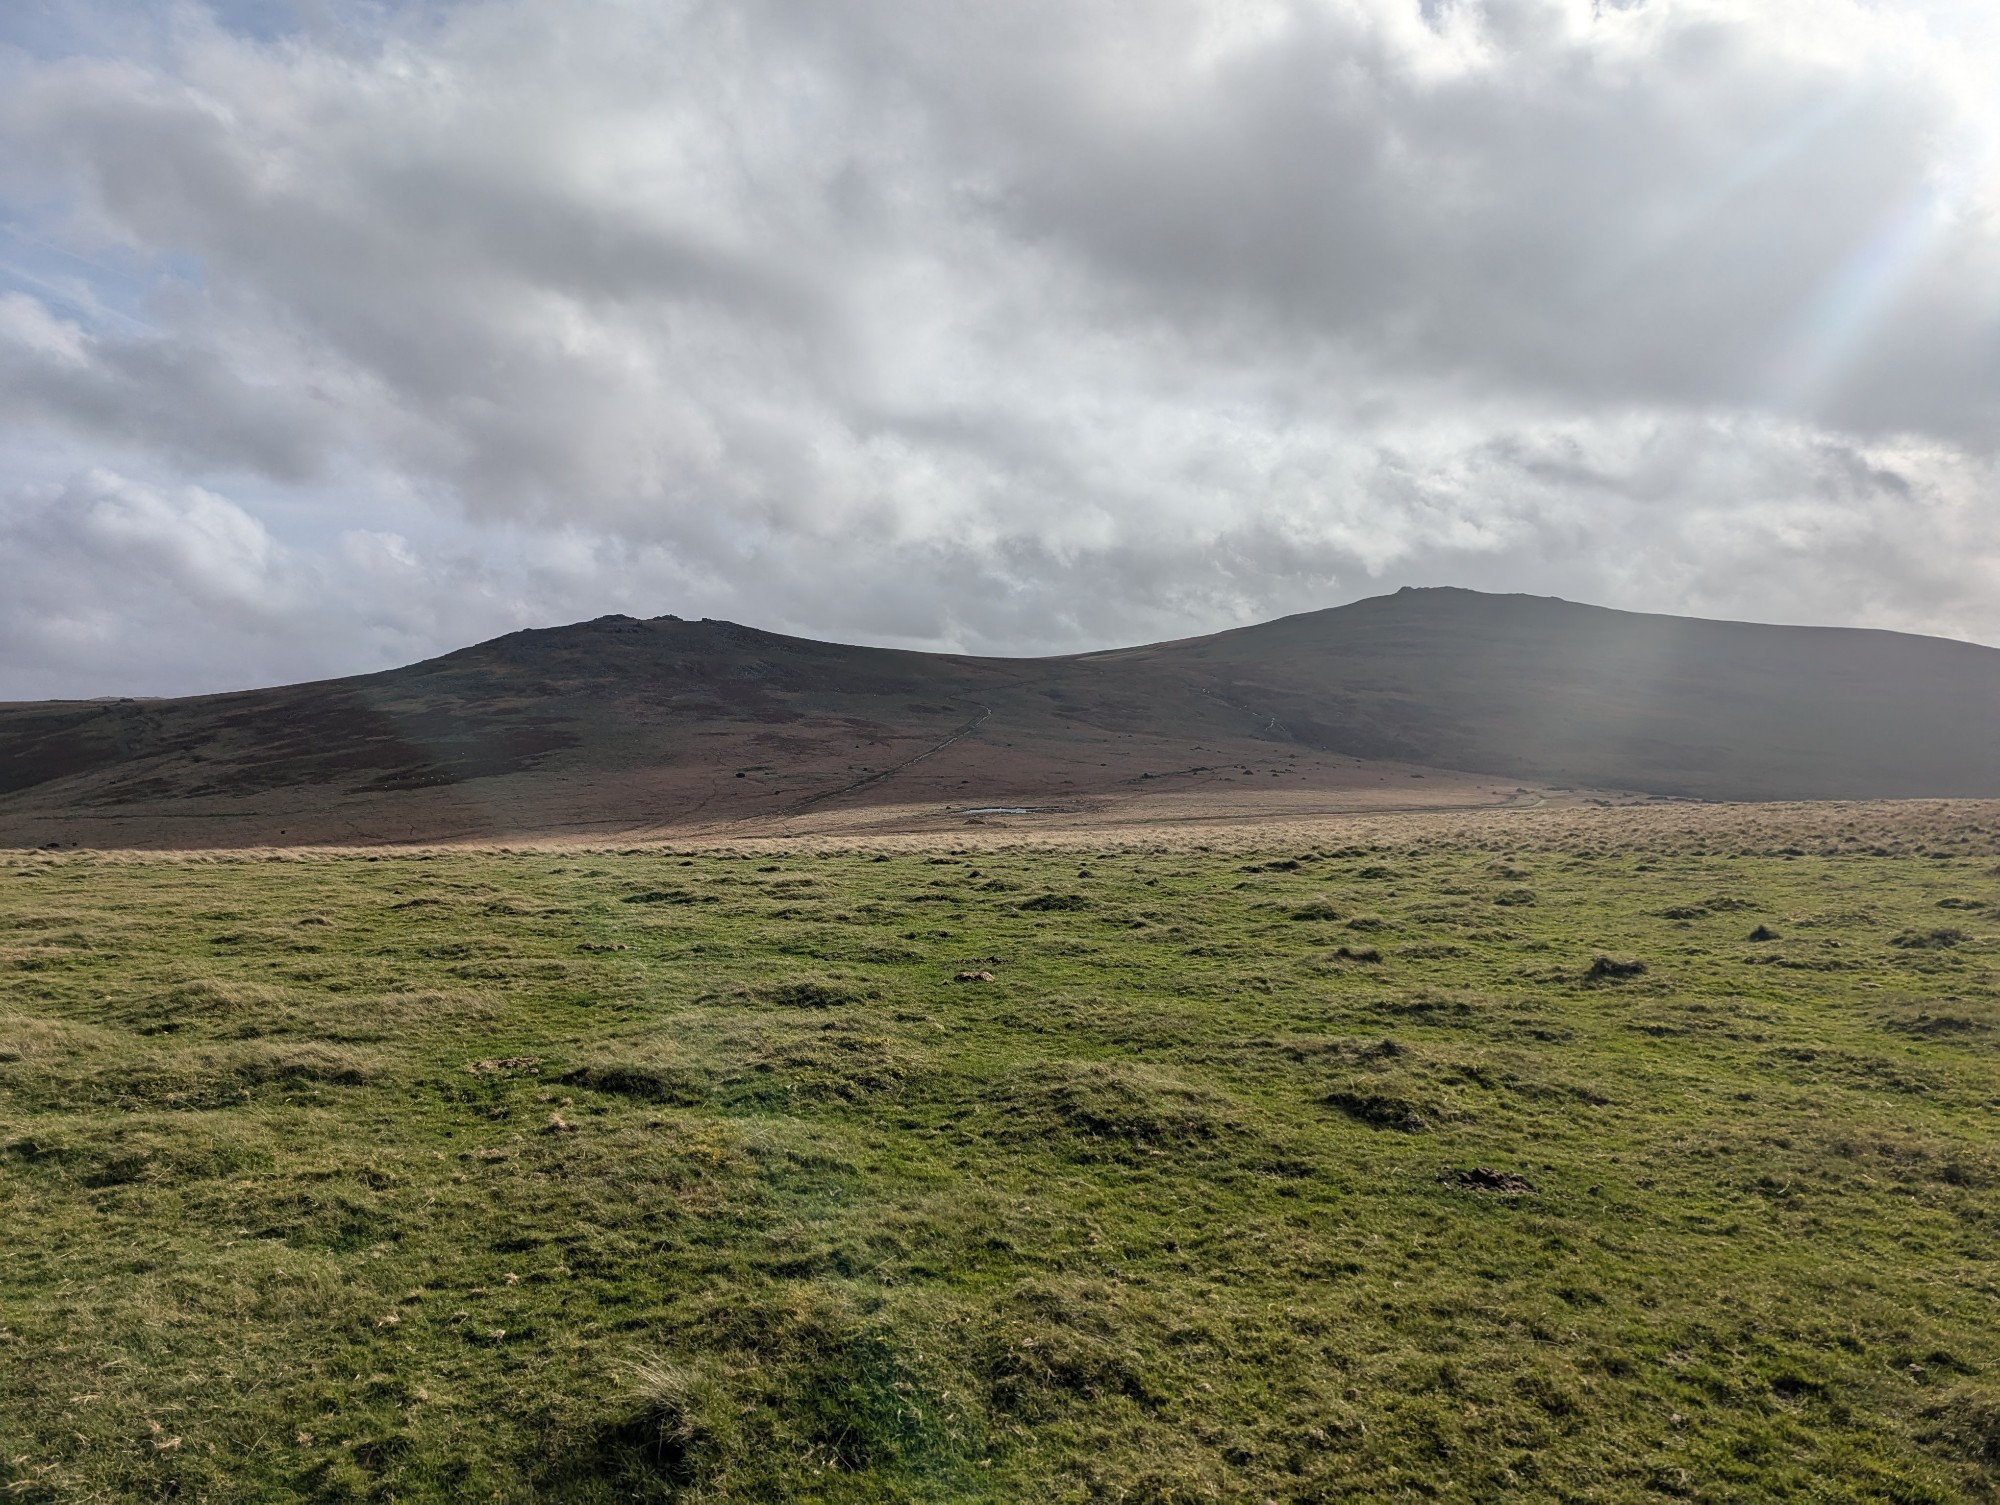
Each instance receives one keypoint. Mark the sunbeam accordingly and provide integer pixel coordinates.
(1851, 304)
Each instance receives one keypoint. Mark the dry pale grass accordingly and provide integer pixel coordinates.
(1820, 828)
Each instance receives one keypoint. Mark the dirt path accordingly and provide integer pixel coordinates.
(887, 773)
(1273, 727)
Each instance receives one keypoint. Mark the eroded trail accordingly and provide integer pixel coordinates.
(883, 775)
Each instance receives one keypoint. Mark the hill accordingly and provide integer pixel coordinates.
(627, 725)
(1551, 690)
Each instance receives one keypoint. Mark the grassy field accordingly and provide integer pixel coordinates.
(1448, 1169)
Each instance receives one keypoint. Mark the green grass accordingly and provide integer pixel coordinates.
(361, 1177)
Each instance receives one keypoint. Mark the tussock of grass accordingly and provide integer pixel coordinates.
(1611, 968)
(1054, 904)
(799, 993)
(1965, 1420)
(1937, 938)
(681, 1431)
(833, 1061)
(644, 1076)
(1112, 1107)
(146, 1149)
(1053, 1347)
(1383, 1110)
(42, 1042)
(202, 1002)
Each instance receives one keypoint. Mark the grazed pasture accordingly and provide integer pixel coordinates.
(1507, 1160)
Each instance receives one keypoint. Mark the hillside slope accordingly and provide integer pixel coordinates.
(620, 724)
(1551, 690)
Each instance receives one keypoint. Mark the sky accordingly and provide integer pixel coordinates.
(339, 333)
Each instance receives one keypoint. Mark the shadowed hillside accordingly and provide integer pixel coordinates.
(620, 724)
(1550, 690)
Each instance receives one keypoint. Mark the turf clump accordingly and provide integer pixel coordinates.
(1612, 968)
(1505, 1184)
(1938, 938)
(1113, 1107)
(1380, 1110)
(649, 1081)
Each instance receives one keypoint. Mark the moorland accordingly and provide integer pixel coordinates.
(1422, 700)
(1583, 1153)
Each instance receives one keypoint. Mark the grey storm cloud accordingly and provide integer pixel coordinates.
(1012, 328)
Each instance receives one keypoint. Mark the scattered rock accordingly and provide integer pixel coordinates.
(973, 977)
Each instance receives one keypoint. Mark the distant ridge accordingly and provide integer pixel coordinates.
(657, 724)
(1554, 690)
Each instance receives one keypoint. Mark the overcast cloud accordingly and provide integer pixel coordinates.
(336, 335)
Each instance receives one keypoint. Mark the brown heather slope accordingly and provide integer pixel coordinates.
(660, 726)
(1550, 690)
